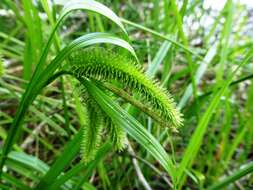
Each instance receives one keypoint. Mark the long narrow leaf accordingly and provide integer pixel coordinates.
(69, 152)
(81, 166)
(196, 139)
(246, 169)
(94, 6)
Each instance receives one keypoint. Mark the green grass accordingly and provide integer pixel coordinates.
(87, 92)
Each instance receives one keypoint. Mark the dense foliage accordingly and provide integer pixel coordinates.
(126, 94)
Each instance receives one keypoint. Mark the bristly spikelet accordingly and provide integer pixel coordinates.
(104, 65)
(117, 134)
(92, 132)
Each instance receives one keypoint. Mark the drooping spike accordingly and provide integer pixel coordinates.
(92, 133)
(108, 65)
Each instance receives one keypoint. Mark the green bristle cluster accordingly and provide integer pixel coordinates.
(92, 132)
(98, 126)
(117, 135)
(105, 65)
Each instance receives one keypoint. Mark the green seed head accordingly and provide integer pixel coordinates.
(103, 65)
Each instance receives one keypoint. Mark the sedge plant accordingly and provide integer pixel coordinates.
(85, 102)
(100, 65)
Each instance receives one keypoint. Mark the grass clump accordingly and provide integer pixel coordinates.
(68, 97)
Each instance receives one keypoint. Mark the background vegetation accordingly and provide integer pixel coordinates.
(199, 53)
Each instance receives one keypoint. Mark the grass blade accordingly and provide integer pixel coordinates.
(69, 152)
(196, 139)
(94, 6)
(81, 166)
(246, 169)
(162, 36)
(199, 74)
